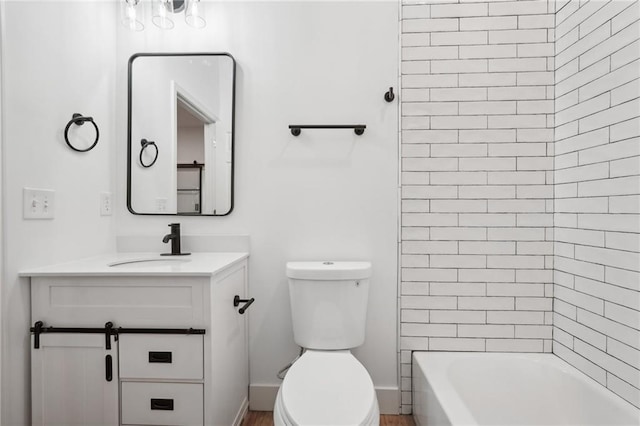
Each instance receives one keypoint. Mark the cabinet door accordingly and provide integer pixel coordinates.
(229, 349)
(69, 383)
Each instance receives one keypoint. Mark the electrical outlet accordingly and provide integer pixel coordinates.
(105, 204)
(38, 203)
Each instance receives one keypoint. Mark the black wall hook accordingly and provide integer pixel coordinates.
(79, 120)
(389, 96)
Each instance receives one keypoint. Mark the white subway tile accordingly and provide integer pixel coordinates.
(416, 233)
(515, 262)
(486, 303)
(534, 219)
(458, 66)
(437, 52)
(625, 129)
(454, 38)
(581, 363)
(580, 331)
(457, 344)
(615, 330)
(517, 206)
(567, 100)
(415, 150)
(457, 289)
(430, 136)
(458, 261)
(594, 85)
(587, 77)
(611, 293)
(533, 135)
(613, 186)
(429, 219)
(623, 315)
(583, 46)
(535, 78)
(414, 178)
(535, 163)
(487, 164)
(535, 247)
(429, 25)
(486, 192)
(458, 10)
(488, 51)
(626, 92)
(456, 234)
(459, 122)
(427, 330)
(526, 7)
(517, 93)
(414, 315)
(489, 23)
(609, 363)
(428, 192)
(625, 55)
(533, 50)
(515, 317)
(416, 39)
(428, 302)
(487, 79)
(577, 267)
(489, 135)
(458, 317)
(426, 81)
(515, 121)
(534, 331)
(488, 247)
(415, 95)
(626, 167)
(623, 240)
(583, 109)
(582, 205)
(459, 150)
(607, 12)
(582, 173)
(611, 151)
(582, 141)
(517, 64)
(483, 330)
(623, 389)
(430, 247)
(414, 123)
(429, 164)
(487, 219)
(516, 234)
(415, 11)
(581, 14)
(459, 206)
(414, 261)
(536, 21)
(414, 343)
(414, 67)
(459, 178)
(486, 275)
(415, 206)
(626, 18)
(580, 299)
(609, 257)
(518, 178)
(513, 289)
(429, 108)
(518, 36)
(610, 44)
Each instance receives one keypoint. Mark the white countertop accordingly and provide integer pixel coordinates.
(141, 264)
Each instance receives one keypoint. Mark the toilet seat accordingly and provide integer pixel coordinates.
(327, 388)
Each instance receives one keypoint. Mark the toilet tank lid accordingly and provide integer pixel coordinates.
(328, 270)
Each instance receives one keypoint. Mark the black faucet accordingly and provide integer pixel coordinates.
(174, 237)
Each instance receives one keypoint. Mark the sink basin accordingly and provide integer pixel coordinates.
(153, 262)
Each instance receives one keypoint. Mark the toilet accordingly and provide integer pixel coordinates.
(327, 385)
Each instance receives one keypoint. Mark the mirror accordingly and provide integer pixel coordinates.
(181, 134)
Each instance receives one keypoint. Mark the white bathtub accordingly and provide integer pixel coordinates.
(458, 388)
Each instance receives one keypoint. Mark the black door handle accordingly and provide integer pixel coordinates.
(160, 357)
(247, 302)
(108, 369)
(162, 404)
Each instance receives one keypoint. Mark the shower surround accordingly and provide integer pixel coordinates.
(479, 84)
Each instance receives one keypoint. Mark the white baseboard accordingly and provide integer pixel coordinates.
(241, 413)
(263, 398)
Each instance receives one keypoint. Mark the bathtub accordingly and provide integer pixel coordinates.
(461, 388)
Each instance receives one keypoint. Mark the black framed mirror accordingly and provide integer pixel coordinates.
(180, 134)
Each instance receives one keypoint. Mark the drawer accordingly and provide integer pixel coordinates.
(162, 403)
(161, 356)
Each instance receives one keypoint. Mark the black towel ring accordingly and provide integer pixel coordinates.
(79, 120)
(145, 143)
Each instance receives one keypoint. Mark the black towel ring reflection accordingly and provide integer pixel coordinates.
(79, 120)
(145, 143)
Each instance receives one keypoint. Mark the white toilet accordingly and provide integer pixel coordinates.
(327, 385)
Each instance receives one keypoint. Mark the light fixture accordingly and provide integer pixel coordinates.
(131, 12)
(163, 12)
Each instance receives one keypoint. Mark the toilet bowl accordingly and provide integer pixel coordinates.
(326, 388)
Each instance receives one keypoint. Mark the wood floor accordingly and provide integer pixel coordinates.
(265, 418)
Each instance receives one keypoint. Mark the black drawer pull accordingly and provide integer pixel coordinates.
(108, 373)
(160, 357)
(162, 404)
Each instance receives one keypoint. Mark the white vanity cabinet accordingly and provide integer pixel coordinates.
(178, 353)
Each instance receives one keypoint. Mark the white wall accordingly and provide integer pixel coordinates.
(57, 59)
(323, 195)
(477, 161)
(597, 192)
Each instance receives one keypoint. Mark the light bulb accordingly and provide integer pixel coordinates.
(129, 14)
(194, 15)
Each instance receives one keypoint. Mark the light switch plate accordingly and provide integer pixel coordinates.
(38, 203)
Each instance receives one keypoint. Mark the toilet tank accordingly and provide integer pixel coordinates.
(329, 303)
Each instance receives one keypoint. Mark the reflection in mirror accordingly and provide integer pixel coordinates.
(185, 104)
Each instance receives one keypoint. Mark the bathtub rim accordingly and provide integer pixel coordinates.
(434, 367)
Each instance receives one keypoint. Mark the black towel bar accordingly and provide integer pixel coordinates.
(297, 128)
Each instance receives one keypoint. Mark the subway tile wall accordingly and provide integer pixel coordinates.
(597, 186)
(477, 117)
